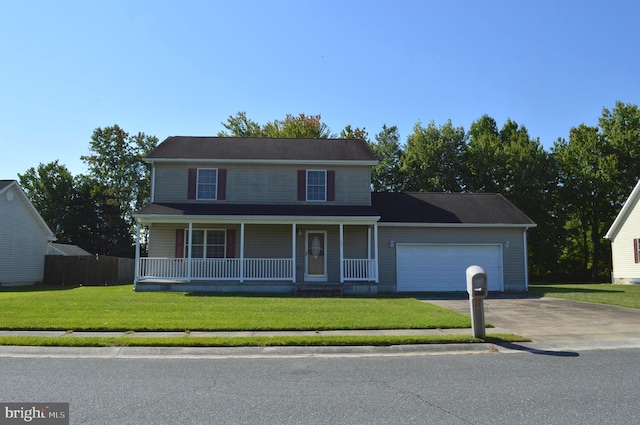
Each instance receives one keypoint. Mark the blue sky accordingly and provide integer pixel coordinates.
(182, 67)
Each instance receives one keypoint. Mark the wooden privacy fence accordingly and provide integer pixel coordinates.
(88, 270)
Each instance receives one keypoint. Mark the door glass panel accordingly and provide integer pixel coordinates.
(316, 254)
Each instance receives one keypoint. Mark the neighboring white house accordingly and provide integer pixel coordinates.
(625, 241)
(24, 237)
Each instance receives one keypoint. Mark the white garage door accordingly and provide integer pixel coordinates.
(443, 267)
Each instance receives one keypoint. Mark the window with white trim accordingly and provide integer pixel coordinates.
(636, 251)
(316, 185)
(207, 183)
(206, 244)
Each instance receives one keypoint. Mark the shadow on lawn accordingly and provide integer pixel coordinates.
(37, 288)
(542, 290)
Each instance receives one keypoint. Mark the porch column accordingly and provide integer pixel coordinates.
(375, 244)
(526, 260)
(241, 252)
(189, 252)
(137, 265)
(293, 251)
(368, 242)
(341, 253)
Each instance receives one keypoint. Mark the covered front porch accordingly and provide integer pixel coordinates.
(217, 254)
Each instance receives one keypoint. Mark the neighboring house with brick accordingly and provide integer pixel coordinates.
(273, 215)
(24, 237)
(625, 241)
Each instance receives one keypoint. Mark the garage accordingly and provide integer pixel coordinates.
(429, 267)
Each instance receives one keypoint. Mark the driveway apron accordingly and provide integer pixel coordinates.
(553, 319)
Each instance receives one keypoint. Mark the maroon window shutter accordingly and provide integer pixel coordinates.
(302, 185)
(231, 243)
(635, 251)
(331, 185)
(222, 184)
(179, 243)
(193, 177)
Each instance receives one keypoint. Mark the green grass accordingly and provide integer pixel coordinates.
(341, 340)
(119, 308)
(620, 295)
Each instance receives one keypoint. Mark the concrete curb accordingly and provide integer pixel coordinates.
(564, 349)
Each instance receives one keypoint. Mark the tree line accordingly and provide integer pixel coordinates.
(573, 191)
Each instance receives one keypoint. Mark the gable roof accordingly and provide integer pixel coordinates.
(5, 185)
(628, 206)
(262, 149)
(448, 208)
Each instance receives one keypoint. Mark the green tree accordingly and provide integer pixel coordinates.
(432, 158)
(116, 165)
(387, 176)
(354, 133)
(588, 179)
(292, 126)
(620, 131)
(100, 226)
(240, 126)
(510, 162)
(50, 187)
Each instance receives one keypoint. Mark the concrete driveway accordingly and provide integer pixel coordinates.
(553, 319)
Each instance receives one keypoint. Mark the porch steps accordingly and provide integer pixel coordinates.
(318, 291)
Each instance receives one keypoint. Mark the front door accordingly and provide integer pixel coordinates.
(316, 256)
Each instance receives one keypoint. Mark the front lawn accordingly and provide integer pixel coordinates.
(119, 308)
(620, 295)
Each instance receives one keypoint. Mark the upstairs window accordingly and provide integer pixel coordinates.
(207, 185)
(316, 185)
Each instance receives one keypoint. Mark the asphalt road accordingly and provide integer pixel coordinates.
(590, 387)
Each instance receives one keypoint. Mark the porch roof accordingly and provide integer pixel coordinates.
(155, 212)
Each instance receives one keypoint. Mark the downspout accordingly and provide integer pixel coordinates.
(153, 182)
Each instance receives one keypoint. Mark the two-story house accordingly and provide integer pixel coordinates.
(273, 215)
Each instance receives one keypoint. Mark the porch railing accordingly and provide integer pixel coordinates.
(356, 269)
(216, 268)
(241, 269)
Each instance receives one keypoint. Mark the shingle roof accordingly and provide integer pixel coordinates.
(5, 183)
(424, 208)
(447, 208)
(68, 249)
(243, 148)
(258, 210)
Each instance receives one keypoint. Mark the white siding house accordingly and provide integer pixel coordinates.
(24, 237)
(625, 241)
